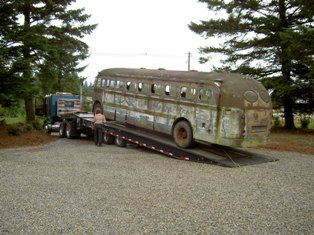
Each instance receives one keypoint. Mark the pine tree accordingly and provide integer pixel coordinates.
(272, 40)
(44, 41)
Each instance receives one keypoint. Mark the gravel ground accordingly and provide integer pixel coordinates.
(74, 187)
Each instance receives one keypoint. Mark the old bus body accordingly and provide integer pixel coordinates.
(220, 108)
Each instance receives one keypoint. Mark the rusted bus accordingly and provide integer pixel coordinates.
(220, 108)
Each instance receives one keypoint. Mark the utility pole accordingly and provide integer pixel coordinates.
(189, 61)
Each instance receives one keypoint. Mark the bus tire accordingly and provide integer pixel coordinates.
(108, 139)
(97, 106)
(120, 142)
(62, 130)
(183, 134)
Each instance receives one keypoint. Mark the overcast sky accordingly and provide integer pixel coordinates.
(148, 34)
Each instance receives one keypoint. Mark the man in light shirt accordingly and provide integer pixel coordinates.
(99, 120)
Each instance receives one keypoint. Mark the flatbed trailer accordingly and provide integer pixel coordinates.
(121, 135)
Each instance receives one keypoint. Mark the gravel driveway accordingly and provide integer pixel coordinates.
(74, 187)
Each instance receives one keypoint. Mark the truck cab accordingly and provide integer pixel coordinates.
(54, 107)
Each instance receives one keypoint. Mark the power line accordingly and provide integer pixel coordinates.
(137, 54)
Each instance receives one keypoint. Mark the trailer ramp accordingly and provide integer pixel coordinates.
(206, 153)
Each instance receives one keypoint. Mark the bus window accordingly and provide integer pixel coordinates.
(167, 90)
(112, 83)
(170, 91)
(98, 82)
(140, 86)
(107, 83)
(190, 93)
(205, 95)
(145, 88)
(103, 82)
(153, 88)
(128, 84)
(120, 85)
(156, 89)
(131, 86)
(183, 92)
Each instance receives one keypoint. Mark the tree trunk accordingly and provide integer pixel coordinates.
(289, 120)
(27, 73)
(286, 70)
(29, 109)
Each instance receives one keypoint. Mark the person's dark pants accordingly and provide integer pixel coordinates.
(98, 134)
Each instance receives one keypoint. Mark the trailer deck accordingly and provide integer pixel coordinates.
(207, 153)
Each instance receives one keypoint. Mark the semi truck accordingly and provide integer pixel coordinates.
(62, 114)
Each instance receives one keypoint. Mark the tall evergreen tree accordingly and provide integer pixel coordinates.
(41, 39)
(273, 40)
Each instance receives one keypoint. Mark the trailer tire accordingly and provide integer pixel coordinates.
(62, 130)
(183, 134)
(108, 139)
(71, 131)
(120, 142)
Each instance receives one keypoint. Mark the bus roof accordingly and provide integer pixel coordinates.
(169, 75)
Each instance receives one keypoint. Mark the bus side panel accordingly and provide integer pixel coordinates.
(163, 122)
(205, 122)
(121, 107)
(139, 115)
(109, 107)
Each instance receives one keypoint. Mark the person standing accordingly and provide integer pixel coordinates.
(99, 120)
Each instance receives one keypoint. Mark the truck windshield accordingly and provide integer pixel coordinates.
(68, 104)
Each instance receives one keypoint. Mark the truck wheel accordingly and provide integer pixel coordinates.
(46, 128)
(108, 139)
(183, 135)
(62, 130)
(120, 142)
(71, 131)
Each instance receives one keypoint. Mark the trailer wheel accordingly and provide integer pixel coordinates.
(120, 142)
(108, 139)
(183, 135)
(71, 131)
(62, 130)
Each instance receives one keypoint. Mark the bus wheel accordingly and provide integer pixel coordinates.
(108, 139)
(120, 142)
(62, 130)
(183, 135)
(97, 106)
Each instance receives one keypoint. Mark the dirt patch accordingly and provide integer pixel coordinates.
(30, 138)
(292, 141)
(301, 141)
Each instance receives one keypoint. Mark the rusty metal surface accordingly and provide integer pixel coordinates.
(228, 109)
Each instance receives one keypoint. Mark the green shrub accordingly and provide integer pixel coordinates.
(305, 123)
(276, 122)
(29, 127)
(14, 130)
(37, 124)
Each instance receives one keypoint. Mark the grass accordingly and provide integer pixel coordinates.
(15, 120)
